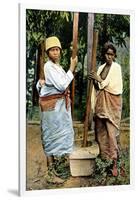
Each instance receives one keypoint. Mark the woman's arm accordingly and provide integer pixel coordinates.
(98, 81)
(93, 75)
(58, 77)
(73, 63)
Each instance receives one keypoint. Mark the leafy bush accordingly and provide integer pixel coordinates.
(103, 175)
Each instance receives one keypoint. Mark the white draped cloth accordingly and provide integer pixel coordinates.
(112, 83)
(56, 124)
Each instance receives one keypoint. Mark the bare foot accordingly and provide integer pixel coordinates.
(52, 178)
(114, 170)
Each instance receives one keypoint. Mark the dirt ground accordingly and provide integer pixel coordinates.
(36, 165)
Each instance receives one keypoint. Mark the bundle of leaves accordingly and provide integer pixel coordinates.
(102, 166)
(62, 166)
(103, 173)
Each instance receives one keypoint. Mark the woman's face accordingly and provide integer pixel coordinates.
(109, 56)
(54, 54)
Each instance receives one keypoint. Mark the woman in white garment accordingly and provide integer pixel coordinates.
(56, 121)
(108, 105)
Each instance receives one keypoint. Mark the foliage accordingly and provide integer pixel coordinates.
(62, 167)
(103, 168)
(126, 95)
(112, 27)
(102, 175)
(44, 23)
(39, 25)
(123, 58)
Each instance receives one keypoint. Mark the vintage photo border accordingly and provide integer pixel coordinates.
(22, 96)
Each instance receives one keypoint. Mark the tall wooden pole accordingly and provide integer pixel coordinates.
(74, 53)
(90, 41)
(90, 28)
(88, 102)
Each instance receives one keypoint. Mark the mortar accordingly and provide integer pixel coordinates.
(82, 160)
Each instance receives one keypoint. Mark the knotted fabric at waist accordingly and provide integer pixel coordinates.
(48, 102)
